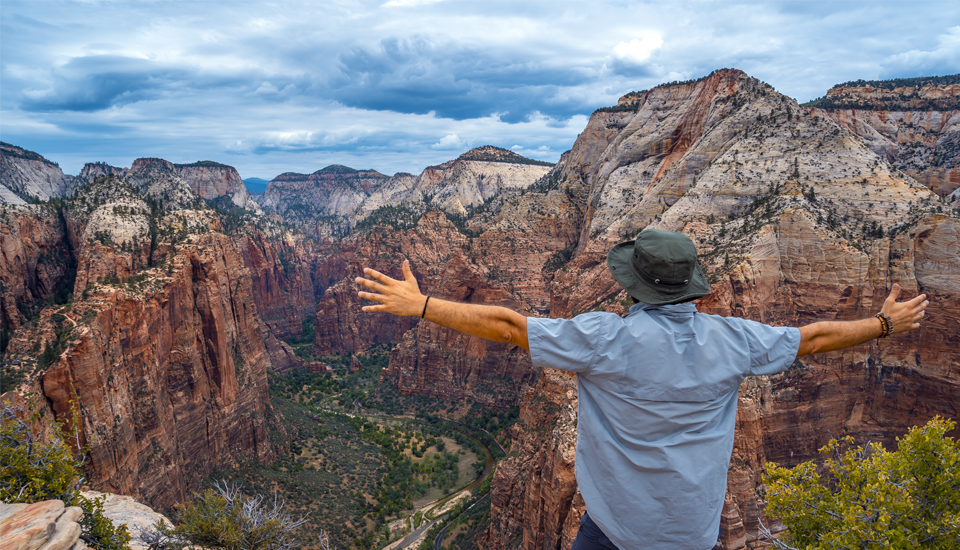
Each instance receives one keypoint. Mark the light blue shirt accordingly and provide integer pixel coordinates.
(657, 408)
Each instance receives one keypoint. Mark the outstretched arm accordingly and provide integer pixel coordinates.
(404, 298)
(834, 335)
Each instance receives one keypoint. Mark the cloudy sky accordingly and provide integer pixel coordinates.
(397, 85)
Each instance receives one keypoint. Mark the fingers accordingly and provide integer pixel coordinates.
(371, 285)
(378, 276)
(894, 293)
(371, 296)
(408, 273)
(917, 300)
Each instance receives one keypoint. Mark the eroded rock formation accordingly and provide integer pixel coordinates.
(913, 123)
(26, 176)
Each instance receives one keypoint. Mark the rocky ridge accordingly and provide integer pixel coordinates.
(26, 176)
(331, 202)
(207, 180)
(913, 123)
(797, 218)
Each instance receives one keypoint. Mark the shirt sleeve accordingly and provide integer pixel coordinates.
(567, 344)
(772, 349)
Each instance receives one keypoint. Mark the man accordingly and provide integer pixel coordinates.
(657, 388)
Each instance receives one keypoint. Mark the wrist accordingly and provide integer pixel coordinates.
(886, 324)
(426, 301)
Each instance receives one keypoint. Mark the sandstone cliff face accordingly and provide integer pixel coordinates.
(162, 350)
(171, 378)
(36, 261)
(321, 203)
(281, 276)
(25, 175)
(924, 144)
(796, 220)
(211, 180)
(915, 126)
(206, 179)
(468, 183)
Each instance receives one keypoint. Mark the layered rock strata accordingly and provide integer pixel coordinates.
(212, 180)
(36, 261)
(171, 379)
(913, 123)
(207, 180)
(162, 355)
(503, 261)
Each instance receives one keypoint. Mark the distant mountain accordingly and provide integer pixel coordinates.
(256, 186)
(491, 153)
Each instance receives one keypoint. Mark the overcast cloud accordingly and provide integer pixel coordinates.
(398, 85)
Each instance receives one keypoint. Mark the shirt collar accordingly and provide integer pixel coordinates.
(686, 307)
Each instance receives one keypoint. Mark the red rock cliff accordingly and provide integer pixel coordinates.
(170, 381)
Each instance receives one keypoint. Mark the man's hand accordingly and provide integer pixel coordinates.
(404, 298)
(906, 316)
(834, 335)
(396, 297)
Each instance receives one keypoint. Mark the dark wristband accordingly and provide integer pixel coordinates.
(886, 324)
(425, 308)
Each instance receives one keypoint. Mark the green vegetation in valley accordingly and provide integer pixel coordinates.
(355, 455)
(469, 526)
(871, 497)
(324, 471)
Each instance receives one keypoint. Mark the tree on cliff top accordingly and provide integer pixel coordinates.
(35, 471)
(873, 498)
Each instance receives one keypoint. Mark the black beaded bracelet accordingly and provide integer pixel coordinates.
(886, 324)
(422, 315)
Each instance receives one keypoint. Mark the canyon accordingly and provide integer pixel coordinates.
(165, 291)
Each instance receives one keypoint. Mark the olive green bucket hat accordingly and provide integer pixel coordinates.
(659, 268)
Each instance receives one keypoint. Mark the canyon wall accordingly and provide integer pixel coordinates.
(913, 123)
(212, 180)
(330, 202)
(799, 213)
(36, 262)
(161, 356)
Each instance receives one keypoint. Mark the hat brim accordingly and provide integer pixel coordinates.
(620, 263)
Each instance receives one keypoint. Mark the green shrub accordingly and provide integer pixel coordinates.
(225, 519)
(873, 498)
(34, 471)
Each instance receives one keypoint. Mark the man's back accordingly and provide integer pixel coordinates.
(658, 389)
(657, 410)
